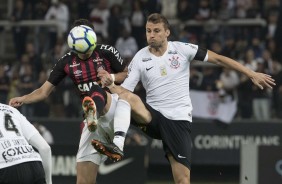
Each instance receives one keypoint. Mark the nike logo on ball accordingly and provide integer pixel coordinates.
(149, 68)
(106, 169)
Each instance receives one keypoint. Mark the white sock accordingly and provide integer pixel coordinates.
(121, 122)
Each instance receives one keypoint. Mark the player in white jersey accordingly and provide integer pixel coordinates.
(19, 162)
(163, 69)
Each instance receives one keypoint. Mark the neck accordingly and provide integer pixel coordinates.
(158, 51)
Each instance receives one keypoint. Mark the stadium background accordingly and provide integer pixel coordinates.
(33, 36)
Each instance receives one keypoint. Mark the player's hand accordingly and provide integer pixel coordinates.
(263, 80)
(106, 78)
(16, 102)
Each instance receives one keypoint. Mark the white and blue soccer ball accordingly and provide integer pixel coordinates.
(82, 39)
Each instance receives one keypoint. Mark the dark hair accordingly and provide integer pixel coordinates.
(85, 22)
(158, 18)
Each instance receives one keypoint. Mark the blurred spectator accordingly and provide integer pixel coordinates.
(4, 84)
(196, 78)
(59, 12)
(227, 83)
(277, 90)
(41, 108)
(242, 7)
(169, 8)
(83, 9)
(185, 10)
(34, 59)
(226, 10)
(99, 16)
(204, 11)
(117, 22)
(19, 32)
(261, 98)
(44, 132)
(138, 20)
(272, 20)
(152, 6)
(245, 97)
(126, 44)
(209, 79)
(26, 85)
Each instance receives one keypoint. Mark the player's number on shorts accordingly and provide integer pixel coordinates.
(10, 125)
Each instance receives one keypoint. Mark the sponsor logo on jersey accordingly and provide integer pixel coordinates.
(114, 51)
(146, 59)
(86, 86)
(98, 59)
(12, 154)
(193, 46)
(163, 70)
(74, 64)
(172, 52)
(174, 63)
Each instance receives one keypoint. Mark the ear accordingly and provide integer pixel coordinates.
(167, 32)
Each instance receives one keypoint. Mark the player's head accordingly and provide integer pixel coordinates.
(157, 30)
(85, 22)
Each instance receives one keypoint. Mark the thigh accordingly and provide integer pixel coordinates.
(138, 109)
(177, 140)
(86, 172)
(181, 174)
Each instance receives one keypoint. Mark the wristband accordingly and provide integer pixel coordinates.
(113, 77)
(113, 83)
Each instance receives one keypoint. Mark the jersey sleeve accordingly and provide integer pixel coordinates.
(133, 75)
(27, 128)
(194, 52)
(113, 56)
(58, 73)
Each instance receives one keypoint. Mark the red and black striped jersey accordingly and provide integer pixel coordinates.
(83, 73)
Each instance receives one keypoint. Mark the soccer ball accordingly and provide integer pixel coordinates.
(82, 39)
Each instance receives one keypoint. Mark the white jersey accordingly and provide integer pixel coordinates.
(15, 130)
(165, 78)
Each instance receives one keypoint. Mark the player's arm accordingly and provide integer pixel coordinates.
(259, 79)
(36, 140)
(44, 150)
(120, 76)
(35, 96)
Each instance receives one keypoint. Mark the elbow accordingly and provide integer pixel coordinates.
(46, 149)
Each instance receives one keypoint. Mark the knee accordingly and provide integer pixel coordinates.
(127, 96)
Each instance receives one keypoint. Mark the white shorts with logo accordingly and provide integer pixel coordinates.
(104, 133)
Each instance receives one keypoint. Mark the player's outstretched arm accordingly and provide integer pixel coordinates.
(259, 79)
(35, 96)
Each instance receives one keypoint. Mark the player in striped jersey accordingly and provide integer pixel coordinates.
(163, 69)
(103, 121)
(19, 162)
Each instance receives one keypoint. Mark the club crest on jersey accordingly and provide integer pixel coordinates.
(77, 73)
(146, 59)
(174, 63)
(74, 64)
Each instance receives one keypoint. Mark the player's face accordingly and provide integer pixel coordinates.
(85, 56)
(156, 34)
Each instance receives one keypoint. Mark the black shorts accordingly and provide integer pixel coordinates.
(24, 173)
(175, 135)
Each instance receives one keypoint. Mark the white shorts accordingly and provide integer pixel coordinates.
(104, 133)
